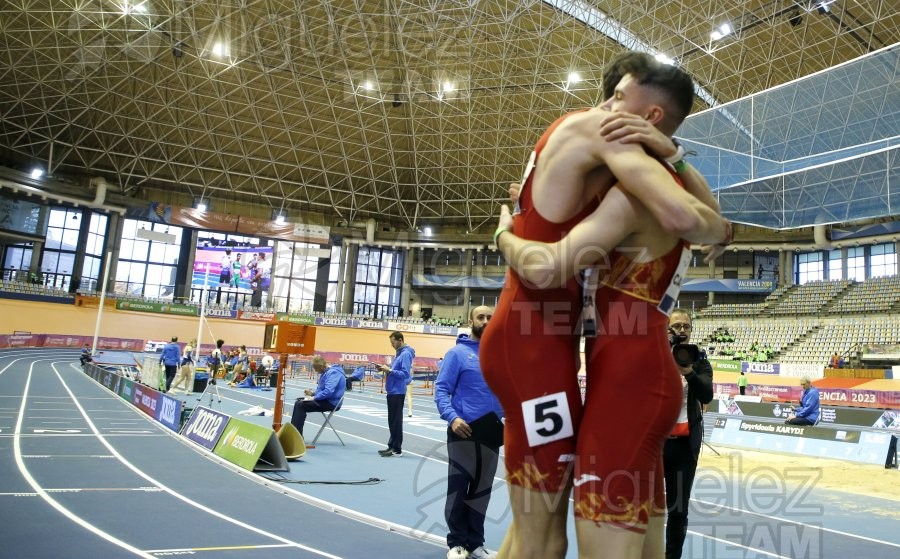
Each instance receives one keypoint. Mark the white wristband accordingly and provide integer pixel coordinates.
(679, 155)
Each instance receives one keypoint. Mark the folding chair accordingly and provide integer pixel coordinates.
(326, 420)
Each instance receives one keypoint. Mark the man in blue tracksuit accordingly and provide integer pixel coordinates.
(327, 395)
(170, 358)
(808, 412)
(397, 376)
(472, 413)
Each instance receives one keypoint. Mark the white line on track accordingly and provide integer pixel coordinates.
(797, 522)
(17, 447)
(44, 494)
(697, 534)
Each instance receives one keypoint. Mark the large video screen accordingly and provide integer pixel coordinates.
(233, 266)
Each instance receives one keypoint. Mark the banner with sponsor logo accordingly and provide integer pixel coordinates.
(729, 285)
(888, 399)
(120, 343)
(297, 319)
(162, 308)
(333, 321)
(252, 447)
(125, 389)
(146, 399)
(221, 313)
(798, 370)
(857, 417)
(860, 397)
(60, 340)
(25, 340)
(846, 444)
(257, 316)
(766, 392)
(369, 324)
(205, 426)
(723, 365)
(805, 431)
(53, 340)
(443, 330)
(355, 359)
(760, 368)
(406, 327)
(168, 412)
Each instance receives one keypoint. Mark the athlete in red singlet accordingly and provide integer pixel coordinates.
(601, 509)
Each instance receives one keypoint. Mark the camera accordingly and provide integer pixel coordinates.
(685, 354)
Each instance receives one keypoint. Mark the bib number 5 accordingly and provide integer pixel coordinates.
(547, 419)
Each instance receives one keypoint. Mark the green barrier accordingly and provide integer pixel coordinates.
(725, 366)
(252, 447)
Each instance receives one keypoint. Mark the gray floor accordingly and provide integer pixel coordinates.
(87, 475)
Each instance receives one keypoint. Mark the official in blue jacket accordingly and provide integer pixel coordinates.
(327, 395)
(808, 412)
(170, 358)
(474, 435)
(397, 376)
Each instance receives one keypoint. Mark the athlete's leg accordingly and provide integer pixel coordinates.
(538, 529)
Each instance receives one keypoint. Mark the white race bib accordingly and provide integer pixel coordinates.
(547, 419)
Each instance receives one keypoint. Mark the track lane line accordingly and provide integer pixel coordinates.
(100, 437)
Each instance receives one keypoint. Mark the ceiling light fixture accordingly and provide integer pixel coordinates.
(721, 31)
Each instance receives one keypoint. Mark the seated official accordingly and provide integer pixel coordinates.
(327, 395)
(808, 412)
(86, 356)
(358, 374)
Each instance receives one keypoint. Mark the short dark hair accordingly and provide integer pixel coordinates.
(683, 312)
(397, 335)
(674, 82)
(220, 343)
(174, 338)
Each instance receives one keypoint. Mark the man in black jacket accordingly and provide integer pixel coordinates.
(682, 449)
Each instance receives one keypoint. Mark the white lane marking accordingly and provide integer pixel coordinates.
(102, 439)
(59, 456)
(57, 430)
(17, 449)
(730, 543)
(789, 521)
(192, 550)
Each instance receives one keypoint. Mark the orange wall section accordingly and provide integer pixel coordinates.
(51, 318)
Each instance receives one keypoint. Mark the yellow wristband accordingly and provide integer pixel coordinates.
(498, 232)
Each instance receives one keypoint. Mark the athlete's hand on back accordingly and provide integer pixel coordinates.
(629, 128)
(514, 189)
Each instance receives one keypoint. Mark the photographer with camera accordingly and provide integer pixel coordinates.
(682, 448)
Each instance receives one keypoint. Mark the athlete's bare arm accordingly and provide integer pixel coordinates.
(548, 265)
(630, 128)
(577, 146)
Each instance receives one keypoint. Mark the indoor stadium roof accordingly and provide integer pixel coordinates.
(407, 111)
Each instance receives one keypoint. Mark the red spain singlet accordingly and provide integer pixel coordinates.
(529, 356)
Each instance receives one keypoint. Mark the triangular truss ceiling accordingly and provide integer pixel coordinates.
(340, 107)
